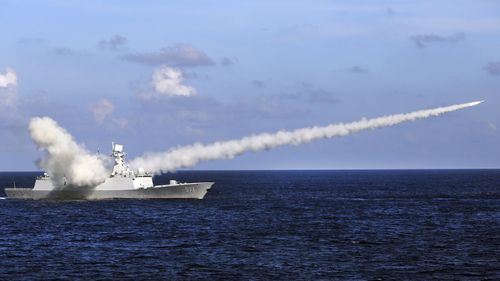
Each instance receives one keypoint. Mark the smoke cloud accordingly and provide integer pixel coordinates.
(189, 156)
(67, 162)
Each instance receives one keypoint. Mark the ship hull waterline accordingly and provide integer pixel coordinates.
(177, 191)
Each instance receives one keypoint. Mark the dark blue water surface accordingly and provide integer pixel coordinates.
(254, 225)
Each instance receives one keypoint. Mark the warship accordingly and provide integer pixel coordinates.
(122, 183)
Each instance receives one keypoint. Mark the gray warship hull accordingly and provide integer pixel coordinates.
(122, 183)
(176, 191)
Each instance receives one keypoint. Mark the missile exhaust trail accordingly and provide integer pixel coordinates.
(188, 156)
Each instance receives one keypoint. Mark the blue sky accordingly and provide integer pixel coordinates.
(227, 69)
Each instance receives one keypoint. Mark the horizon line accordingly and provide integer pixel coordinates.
(298, 169)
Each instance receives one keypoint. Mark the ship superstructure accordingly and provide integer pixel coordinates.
(122, 182)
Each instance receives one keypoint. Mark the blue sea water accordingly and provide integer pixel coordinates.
(266, 225)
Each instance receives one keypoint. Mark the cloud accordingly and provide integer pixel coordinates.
(167, 81)
(178, 55)
(200, 113)
(64, 51)
(31, 41)
(120, 122)
(311, 94)
(225, 61)
(357, 69)
(8, 79)
(493, 68)
(115, 43)
(259, 83)
(102, 110)
(492, 126)
(319, 95)
(423, 40)
(389, 12)
(449, 23)
(8, 88)
(11, 115)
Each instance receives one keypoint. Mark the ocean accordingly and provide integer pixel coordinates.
(265, 225)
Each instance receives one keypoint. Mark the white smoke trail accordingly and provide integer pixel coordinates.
(189, 156)
(67, 162)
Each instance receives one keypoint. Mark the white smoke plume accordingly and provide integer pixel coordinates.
(67, 162)
(189, 156)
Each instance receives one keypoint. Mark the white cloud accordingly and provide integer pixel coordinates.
(102, 110)
(8, 88)
(167, 81)
(9, 78)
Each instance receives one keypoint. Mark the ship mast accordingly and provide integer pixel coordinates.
(120, 168)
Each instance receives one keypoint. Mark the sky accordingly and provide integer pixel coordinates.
(155, 75)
